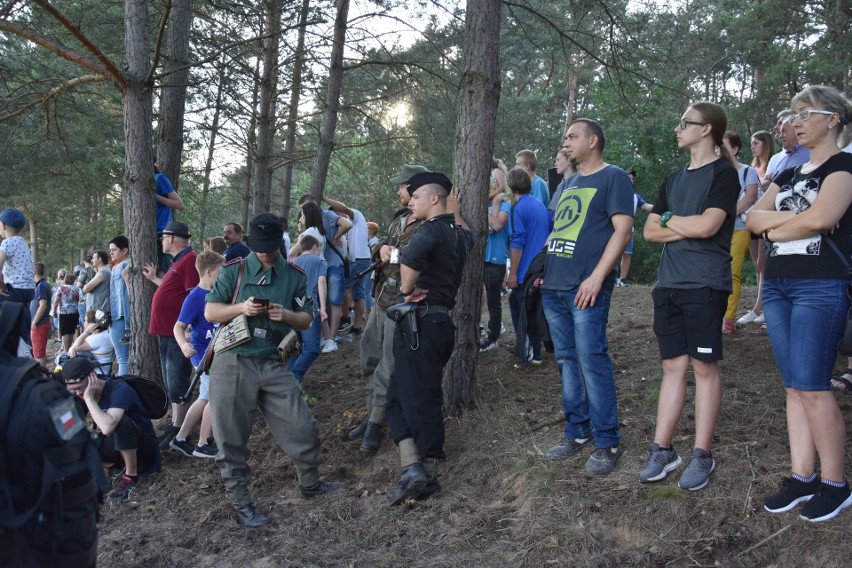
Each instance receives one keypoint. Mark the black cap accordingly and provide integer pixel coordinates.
(427, 178)
(265, 233)
(78, 367)
(177, 229)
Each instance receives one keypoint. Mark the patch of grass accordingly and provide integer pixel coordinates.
(666, 493)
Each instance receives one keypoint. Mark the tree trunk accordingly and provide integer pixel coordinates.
(33, 223)
(173, 92)
(138, 200)
(479, 95)
(208, 164)
(293, 112)
(335, 82)
(266, 113)
(250, 150)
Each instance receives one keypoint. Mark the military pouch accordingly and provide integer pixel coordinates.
(405, 317)
(289, 346)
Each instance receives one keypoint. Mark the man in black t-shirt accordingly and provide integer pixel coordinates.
(126, 435)
(431, 266)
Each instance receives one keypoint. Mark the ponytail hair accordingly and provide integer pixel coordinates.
(715, 116)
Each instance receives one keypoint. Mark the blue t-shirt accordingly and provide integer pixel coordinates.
(748, 176)
(529, 229)
(497, 243)
(582, 225)
(42, 292)
(540, 191)
(314, 266)
(236, 250)
(192, 314)
(329, 223)
(164, 212)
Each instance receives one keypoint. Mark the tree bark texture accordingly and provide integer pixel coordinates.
(173, 91)
(251, 141)
(138, 199)
(266, 113)
(479, 95)
(335, 82)
(293, 111)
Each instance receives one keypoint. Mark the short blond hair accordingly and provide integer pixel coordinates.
(208, 260)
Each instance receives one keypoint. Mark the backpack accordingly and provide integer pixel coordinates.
(153, 396)
(50, 472)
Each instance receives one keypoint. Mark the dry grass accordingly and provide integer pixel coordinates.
(501, 504)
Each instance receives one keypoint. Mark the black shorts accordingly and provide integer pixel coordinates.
(689, 322)
(68, 323)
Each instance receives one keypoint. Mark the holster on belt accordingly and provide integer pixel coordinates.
(405, 316)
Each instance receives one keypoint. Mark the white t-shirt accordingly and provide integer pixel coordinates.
(314, 232)
(358, 237)
(102, 348)
(18, 268)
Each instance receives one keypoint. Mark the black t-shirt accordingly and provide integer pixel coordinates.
(438, 250)
(696, 263)
(810, 257)
(121, 395)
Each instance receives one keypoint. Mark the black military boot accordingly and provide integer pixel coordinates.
(430, 468)
(372, 438)
(358, 430)
(411, 484)
(251, 518)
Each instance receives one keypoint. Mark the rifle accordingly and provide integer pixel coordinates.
(367, 270)
(196, 374)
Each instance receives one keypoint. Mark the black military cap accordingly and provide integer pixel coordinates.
(427, 178)
(265, 232)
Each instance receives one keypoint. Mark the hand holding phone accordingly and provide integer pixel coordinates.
(262, 302)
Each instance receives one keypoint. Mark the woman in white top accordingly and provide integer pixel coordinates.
(95, 341)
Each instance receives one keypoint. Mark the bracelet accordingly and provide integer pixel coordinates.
(766, 236)
(665, 217)
(406, 293)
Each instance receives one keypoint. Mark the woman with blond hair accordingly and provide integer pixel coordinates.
(806, 218)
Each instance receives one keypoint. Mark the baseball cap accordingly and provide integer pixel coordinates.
(408, 171)
(14, 218)
(77, 368)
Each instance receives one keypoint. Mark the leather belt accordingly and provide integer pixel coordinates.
(432, 309)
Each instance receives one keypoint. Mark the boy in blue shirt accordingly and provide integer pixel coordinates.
(208, 264)
(313, 264)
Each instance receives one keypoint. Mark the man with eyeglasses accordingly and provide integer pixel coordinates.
(125, 434)
(792, 154)
(172, 290)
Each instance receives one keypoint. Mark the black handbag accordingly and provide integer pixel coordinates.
(844, 348)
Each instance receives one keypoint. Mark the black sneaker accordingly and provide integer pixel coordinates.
(166, 437)
(113, 473)
(791, 494)
(125, 486)
(356, 331)
(602, 461)
(208, 450)
(827, 503)
(345, 325)
(183, 446)
(566, 449)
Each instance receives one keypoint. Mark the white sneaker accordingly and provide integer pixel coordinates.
(749, 317)
(328, 346)
(760, 319)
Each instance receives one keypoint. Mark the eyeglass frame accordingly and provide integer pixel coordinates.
(807, 114)
(73, 384)
(684, 123)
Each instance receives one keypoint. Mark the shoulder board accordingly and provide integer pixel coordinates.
(296, 266)
(233, 262)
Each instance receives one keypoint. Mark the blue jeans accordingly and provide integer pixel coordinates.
(310, 340)
(117, 329)
(335, 285)
(581, 350)
(358, 287)
(805, 318)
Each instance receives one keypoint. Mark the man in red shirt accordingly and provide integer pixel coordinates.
(172, 289)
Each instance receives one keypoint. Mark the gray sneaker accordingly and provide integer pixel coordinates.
(566, 449)
(660, 462)
(603, 461)
(697, 472)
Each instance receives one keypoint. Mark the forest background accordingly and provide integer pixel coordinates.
(247, 105)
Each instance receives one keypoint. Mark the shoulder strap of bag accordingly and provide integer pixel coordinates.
(239, 280)
(842, 256)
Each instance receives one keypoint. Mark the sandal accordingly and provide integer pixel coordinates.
(847, 384)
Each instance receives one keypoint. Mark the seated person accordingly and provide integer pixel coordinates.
(95, 343)
(125, 433)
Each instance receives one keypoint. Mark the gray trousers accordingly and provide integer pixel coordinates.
(377, 359)
(238, 385)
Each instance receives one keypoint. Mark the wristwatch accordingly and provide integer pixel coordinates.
(664, 218)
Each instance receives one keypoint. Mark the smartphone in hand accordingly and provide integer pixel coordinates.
(262, 301)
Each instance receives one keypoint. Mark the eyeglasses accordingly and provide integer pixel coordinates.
(806, 114)
(686, 123)
(164, 237)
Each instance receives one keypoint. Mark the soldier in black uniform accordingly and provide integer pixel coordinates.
(431, 272)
